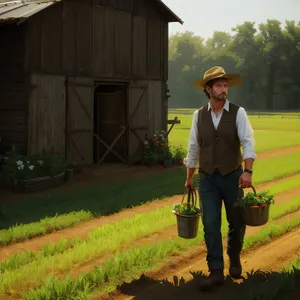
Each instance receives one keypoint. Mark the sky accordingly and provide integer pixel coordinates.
(204, 17)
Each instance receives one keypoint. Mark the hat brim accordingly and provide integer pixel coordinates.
(233, 80)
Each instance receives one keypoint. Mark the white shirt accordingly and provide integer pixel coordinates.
(244, 131)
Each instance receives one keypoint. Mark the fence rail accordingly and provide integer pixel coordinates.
(275, 115)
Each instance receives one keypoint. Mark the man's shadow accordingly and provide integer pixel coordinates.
(256, 285)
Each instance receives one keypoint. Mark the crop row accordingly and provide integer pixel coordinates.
(28, 268)
(127, 265)
(20, 233)
(277, 285)
(127, 230)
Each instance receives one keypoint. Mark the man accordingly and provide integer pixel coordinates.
(219, 130)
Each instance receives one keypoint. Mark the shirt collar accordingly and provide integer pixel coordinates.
(226, 105)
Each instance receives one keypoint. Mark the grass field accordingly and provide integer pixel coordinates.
(270, 133)
(136, 253)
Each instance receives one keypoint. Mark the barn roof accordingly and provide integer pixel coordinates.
(12, 11)
(20, 10)
(172, 16)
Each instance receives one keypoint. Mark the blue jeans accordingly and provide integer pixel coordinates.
(212, 190)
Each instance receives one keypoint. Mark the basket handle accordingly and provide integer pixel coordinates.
(192, 196)
(254, 190)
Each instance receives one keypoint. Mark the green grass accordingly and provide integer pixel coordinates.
(292, 265)
(274, 285)
(285, 184)
(97, 201)
(21, 269)
(19, 233)
(98, 198)
(269, 133)
(130, 263)
(266, 169)
(64, 255)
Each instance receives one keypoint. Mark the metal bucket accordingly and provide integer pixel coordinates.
(187, 226)
(256, 215)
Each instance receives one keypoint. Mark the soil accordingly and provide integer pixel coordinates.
(278, 152)
(168, 234)
(180, 278)
(81, 230)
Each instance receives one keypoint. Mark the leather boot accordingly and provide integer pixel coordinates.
(235, 267)
(215, 278)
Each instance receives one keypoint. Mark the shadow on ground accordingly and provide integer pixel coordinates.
(100, 198)
(256, 286)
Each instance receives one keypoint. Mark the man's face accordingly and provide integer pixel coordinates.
(219, 90)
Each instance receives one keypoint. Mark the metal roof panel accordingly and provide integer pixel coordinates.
(18, 11)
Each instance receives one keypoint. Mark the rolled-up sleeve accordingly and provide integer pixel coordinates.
(246, 134)
(192, 159)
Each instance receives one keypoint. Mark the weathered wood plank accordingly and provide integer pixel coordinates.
(153, 49)
(69, 37)
(139, 47)
(138, 111)
(47, 115)
(103, 41)
(155, 104)
(51, 38)
(84, 39)
(122, 44)
(12, 88)
(80, 113)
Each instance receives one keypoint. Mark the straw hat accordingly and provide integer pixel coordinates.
(218, 72)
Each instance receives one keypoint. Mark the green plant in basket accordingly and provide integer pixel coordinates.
(254, 199)
(187, 208)
(187, 215)
(254, 206)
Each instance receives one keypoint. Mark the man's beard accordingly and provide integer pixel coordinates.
(220, 97)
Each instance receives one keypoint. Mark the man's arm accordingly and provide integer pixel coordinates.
(192, 159)
(246, 136)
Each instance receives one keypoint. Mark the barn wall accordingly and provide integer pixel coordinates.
(13, 89)
(47, 115)
(146, 113)
(105, 39)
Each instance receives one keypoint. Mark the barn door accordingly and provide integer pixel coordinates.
(138, 110)
(80, 121)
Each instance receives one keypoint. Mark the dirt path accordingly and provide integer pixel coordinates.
(277, 152)
(168, 234)
(180, 278)
(81, 230)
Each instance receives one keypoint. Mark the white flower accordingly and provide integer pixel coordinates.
(31, 167)
(19, 163)
(20, 167)
(40, 162)
(28, 161)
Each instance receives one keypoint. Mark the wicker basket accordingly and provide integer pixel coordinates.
(40, 183)
(256, 215)
(187, 225)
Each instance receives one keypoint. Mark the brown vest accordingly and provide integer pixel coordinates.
(219, 148)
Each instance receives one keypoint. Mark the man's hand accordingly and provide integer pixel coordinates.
(245, 180)
(189, 183)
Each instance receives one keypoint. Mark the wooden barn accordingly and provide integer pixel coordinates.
(85, 78)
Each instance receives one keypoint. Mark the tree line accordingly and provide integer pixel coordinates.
(268, 57)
